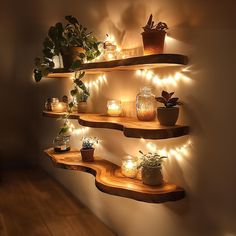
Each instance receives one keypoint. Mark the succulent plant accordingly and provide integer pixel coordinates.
(151, 26)
(150, 160)
(89, 142)
(168, 100)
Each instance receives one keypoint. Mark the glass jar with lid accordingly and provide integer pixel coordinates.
(61, 143)
(146, 105)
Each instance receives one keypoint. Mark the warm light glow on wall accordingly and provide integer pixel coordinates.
(177, 152)
(164, 80)
(100, 80)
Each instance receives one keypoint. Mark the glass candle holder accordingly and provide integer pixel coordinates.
(114, 108)
(61, 143)
(129, 167)
(110, 53)
(146, 105)
(49, 102)
(59, 107)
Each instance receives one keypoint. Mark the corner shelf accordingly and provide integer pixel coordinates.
(131, 127)
(108, 179)
(133, 63)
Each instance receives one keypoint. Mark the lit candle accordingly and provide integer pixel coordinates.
(129, 167)
(146, 114)
(114, 108)
(59, 106)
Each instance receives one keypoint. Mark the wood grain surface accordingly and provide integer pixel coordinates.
(133, 63)
(131, 127)
(108, 179)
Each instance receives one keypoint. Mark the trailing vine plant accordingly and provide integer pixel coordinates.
(59, 39)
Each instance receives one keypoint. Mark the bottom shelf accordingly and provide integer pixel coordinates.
(108, 179)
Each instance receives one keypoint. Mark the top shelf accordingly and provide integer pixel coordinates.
(128, 64)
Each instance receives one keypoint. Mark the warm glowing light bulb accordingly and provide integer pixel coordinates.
(138, 72)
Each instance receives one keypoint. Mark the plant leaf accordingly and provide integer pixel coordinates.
(165, 95)
(161, 99)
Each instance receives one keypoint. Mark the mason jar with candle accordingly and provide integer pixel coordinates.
(129, 166)
(61, 143)
(49, 102)
(59, 106)
(146, 105)
(114, 108)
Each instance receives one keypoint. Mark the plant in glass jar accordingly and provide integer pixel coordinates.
(168, 115)
(151, 165)
(154, 36)
(87, 150)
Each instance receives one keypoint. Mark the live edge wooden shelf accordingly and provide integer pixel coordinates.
(133, 63)
(108, 179)
(131, 127)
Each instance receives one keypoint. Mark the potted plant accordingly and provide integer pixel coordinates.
(78, 44)
(151, 164)
(168, 115)
(72, 41)
(82, 98)
(154, 37)
(87, 150)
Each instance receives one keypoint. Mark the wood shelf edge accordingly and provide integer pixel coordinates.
(108, 179)
(130, 127)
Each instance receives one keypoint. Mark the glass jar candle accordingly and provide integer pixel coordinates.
(59, 107)
(146, 105)
(114, 108)
(61, 143)
(129, 167)
(49, 102)
(110, 52)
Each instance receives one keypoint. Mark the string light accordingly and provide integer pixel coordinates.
(101, 79)
(177, 152)
(156, 79)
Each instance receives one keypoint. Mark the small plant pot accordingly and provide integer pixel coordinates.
(70, 55)
(167, 116)
(152, 176)
(82, 107)
(87, 154)
(153, 42)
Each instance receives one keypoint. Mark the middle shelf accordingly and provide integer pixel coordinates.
(131, 127)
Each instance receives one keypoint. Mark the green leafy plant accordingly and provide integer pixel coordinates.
(151, 26)
(167, 99)
(150, 160)
(60, 38)
(89, 142)
(82, 96)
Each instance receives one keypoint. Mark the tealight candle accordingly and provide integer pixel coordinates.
(114, 108)
(129, 167)
(59, 107)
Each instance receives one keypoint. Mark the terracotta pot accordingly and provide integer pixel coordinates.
(167, 116)
(87, 154)
(153, 42)
(70, 55)
(152, 176)
(82, 107)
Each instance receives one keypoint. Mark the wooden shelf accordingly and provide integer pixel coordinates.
(131, 127)
(108, 179)
(134, 63)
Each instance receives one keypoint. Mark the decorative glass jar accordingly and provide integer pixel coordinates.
(61, 143)
(129, 167)
(59, 107)
(146, 105)
(49, 102)
(114, 108)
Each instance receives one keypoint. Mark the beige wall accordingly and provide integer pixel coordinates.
(205, 31)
